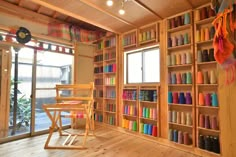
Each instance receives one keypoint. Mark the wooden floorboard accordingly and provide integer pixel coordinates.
(107, 143)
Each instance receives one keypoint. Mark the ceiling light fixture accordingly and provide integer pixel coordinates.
(122, 11)
(109, 3)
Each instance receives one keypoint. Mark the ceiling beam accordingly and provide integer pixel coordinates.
(66, 12)
(106, 12)
(20, 2)
(141, 4)
(39, 9)
(189, 3)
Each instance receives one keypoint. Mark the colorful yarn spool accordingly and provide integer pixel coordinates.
(199, 56)
(199, 77)
(175, 98)
(123, 123)
(205, 57)
(183, 118)
(170, 135)
(207, 122)
(203, 13)
(201, 99)
(212, 32)
(212, 77)
(147, 113)
(169, 78)
(173, 59)
(205, 77)
(145, 126)
(141, 128)
(130, 125)
(208, 143)
(207, 34)
(216, 145)
(140, 37)
(183, 58)
(198, 36)
(172, 23)
(197, 15)
(134, 128)
(154, 131)
(201, 120)
(175, 136)
(153, 34)
(174, 116)
(184, 78)
(169, 42)
(178, 59)
(186, 18)
(174, 41)
(144, 36)
(186, 138)
(170, 98)
(214, 123)
(170, 116)
(141, 111)
(178, 78)
(211, 55)
(189, 78)
(188, 119)
(181, 98)
(144, 112)
(154, 114)
(186, 38)
(202, 33)
(180, 137)
(149, 129)
(201, 142)
(214, 100)
(178, 119)
(188, 58)
(188, 98)
(151, 113)
(208, 99)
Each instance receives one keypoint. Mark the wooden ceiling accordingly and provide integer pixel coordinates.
(96, 15)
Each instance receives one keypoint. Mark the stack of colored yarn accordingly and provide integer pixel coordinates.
(179, 40)
(208, 99)
(111, 107)
(184, 118)
(179, 137)
(98, 117)
(179, 98)
(179, 21)
(204, 78)
(210, 143)
(204, 13)
(205, 34)
(129, 124)
(179, 59)
(148, 112)
(130, 110)
(129, 94)
(180, 78)
(206, 55)
(208, 122)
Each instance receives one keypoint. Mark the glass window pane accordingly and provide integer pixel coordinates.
(151, 66)
(135, 67)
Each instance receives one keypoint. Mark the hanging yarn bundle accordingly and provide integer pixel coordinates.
(224, 42)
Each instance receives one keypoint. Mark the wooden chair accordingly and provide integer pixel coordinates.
(76, 99)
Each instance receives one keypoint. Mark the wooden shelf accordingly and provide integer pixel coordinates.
(96, 110)
(205, 21)
(180, 28)
(129, 46)
(109, 73)
(207, 63)
(99, 86)
(179, 47)
(150, 102)
(147, 41)
(183, 85)
(111, 112)
(184, 145)
(110, 85)
(148, 119)
(98, 97)
(110, 99)
(98, 51)
(129, 100)
(181, 105)
(209, 152)
(205, 42)
(209, 130)
(207, 85)
(108, 48)
(188, 126)
(182, 65)
(207, 107)
(97, 74)
(98, 63)
(110, 60)
(127, 115)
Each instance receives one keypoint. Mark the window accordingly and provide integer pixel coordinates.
(142, 66)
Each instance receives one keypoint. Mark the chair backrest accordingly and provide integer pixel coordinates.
(75, 92)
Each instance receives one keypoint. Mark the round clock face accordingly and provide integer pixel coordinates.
(23, 35)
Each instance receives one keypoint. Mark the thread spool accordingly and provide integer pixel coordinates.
(175, 133)
(153, 34)
(149, 129)
(169, 42)
(154, 114)
(201, 120)
(198, 36)
(172, 23)
(178, 119)
(197, 15)
(205, 77)
(168, 60)
(199, 56)
(178, 59)
(184, 78)
(147, 113)
(134, 128)
(214, 123)
(208, 144)
(174, 116)
(144, 112)
(188, 119)
(183, 118)
(186, 138)
(202, 33)
(175, 98)
(141, 111)
(144, 36)
(201, 99)
(203, 13)
(140, 37)
(170, 98)
(188, 58)
(170, 116)
(130, 125)
(216, 145)
(208, 99)
(211, 55)
(199, 77)
(205, 57)
(181, 98)
(154, 131)
(189, 78)
(212, 32)
(186, 40)
(123, 123)
(207, 34)
(201, 142)
(188, 98)
(145, 126)
(148, 35)
(207, 122)
(151, 113)
(169, 78)
(178, 77)
(214, 100)
(186, 18)
(173, 79)
(183, 58)
(179, 21)
(173, 59)
(179, 41)
(180, 137)
(212, 77)
(174, 41)
(141, 128)
(170, 135)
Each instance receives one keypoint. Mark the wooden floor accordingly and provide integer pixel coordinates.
(107, 143)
